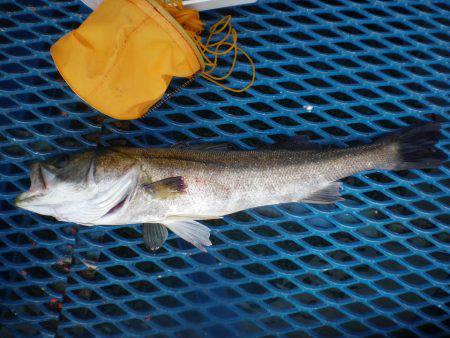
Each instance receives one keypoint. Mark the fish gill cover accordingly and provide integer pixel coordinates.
(334, 70)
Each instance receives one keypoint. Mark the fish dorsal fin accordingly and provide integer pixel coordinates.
(154, 235)
(191, 231)
(209, 146)
(329, 194)
(297, 142)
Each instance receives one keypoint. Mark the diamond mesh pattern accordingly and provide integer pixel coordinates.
(338, 71)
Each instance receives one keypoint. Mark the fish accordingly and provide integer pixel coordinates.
(176, 188)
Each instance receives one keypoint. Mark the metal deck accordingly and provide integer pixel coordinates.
(339, 71)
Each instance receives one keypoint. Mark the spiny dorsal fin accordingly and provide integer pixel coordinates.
(211, 146)
(297, 142)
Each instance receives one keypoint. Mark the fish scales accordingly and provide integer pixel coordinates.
(176, 187)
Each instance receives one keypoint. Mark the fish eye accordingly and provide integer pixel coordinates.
(60, 161)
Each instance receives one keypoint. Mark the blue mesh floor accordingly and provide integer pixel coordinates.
(339, 71)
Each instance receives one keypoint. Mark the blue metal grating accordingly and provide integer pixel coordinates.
(375, 264)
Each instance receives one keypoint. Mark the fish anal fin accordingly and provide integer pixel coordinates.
(167, 188)
(191, 231)
(154, 234)
(329, 194)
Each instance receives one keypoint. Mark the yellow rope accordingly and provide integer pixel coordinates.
(211, 50)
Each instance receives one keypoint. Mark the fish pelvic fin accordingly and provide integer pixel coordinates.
(191, 231)
(329, 194)
(154, 234)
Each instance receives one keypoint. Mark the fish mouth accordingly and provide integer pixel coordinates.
(37, 187)
(38, 178)
(23, 200)
(41, 176)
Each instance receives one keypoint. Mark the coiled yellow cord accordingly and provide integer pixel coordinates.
(211, 51)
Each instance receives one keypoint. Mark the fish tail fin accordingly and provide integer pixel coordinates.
(415, 148)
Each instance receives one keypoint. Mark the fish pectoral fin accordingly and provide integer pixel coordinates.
(327, 195)
(154, 234)
(167, 188)
(191, 231)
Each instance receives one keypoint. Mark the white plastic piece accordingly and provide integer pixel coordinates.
(199, 5)
(203, 5)
(92, 4)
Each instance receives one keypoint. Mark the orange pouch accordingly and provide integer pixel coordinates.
(124, 55)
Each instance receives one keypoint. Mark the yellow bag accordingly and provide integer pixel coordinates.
(124, 55)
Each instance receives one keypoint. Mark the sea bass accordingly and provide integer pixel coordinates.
(174, 188)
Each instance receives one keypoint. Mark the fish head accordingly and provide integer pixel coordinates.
(74, 188)
(58, 180)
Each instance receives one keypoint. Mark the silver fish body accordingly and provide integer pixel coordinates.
(220, 183)
(177, 187)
